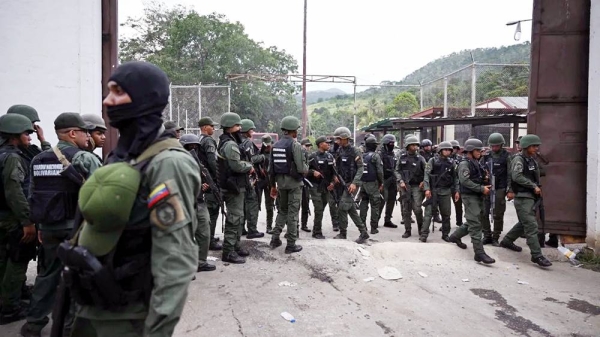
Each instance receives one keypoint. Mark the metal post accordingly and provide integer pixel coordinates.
(445, 96)
(473, 88)
(354, 117)
(229, 97)
(186, 121)
(199, 101)
(421, 94)
(304, 115)
(170, 102)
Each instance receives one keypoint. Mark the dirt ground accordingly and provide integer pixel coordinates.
(442, 292)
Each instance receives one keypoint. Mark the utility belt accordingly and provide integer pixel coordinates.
(93, 284)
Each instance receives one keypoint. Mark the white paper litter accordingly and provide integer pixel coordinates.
(212, 258)
(369, 279)
(465, 280)
(389, 273)
(522, 282)
(422, 274)
(287, 284)
(364, 252)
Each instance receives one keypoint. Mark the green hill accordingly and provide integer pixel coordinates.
(376, 103)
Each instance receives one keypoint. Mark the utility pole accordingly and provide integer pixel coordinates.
(304, 114)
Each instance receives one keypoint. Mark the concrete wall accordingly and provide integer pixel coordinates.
(593, 150)
(51, 57)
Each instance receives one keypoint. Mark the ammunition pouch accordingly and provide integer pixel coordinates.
(20, 252)
(71, 173)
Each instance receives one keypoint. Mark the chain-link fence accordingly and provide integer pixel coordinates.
(190, 103)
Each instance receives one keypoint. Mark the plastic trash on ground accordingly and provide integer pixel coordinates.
(288, 317)
(389, 273)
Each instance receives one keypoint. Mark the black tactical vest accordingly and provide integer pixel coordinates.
(346, 163)
(226, 178)
(476, 175)
(5, 152)
(282, 158)
(322, 162)
(54, 197)
(370, 171)
(530, 167)
(389, 163)
(414, 166)
(426, 155)
(444, 169)
(499, 168)
(28, 154)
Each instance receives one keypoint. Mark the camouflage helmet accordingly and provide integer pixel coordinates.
(247, 125)
(444, 146)
(371, 140)
(320, 140)
(496, 139)
(24, 110)
(189, 138)
(290, 123)
(15, 124)
(95, 120)
(266, 139)
(230, 119)
(473, 144)
(342, 132)
(387, 139)
(455, 143)
(426, 142)
(410, 140)
(529, 140)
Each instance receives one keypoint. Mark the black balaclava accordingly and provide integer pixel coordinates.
(138, 122)
(390, 147)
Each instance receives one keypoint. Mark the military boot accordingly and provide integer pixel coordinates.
(336, 227)
(457, 241)
(437, 218)
(363, 237)
(389, 224)
(305, 228)
(242, 252)
(495, 242)
(292, 249)
(275, 242)
(510, 245)
(255, 235)
(423, 238)
(341, 236)
(487, 240)
(483, 257)
(406, 234)
(215, 245)
(205, 266)
(233, 257)
(318, 236)
(28, 330)
(374, 230)
(269, 229)
(7, 317)
(552, 241)
(446, 238)
(541, 261)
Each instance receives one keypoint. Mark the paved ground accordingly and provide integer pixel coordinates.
(328, 295)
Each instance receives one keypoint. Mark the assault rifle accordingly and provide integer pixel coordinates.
(492, 180)
(433, 201)
(344, 185)
(216, 192)
(541, 211)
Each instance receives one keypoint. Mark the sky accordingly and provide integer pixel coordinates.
(374, 40)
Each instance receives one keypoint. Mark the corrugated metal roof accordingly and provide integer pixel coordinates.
(515, 102)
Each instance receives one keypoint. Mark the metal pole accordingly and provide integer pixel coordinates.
(229, 97)
(304, 115)
(186, 120)
(170, 102)
(445, 96)
(421, 94)
(473, 88)
(354, 117)
(199, 100)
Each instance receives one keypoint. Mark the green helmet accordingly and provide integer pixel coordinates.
(455, 143)
(230, 119)
(189, 139)
(320, 140)
(387, 139)
(529, 140)
(247, 125)
(473, 144)
(95, 120)
(518, 139)
(411, 140)
(342, 132)
(15, 124)
(266, 139)
(496, 139)
(24, 110)
(371, 140)
(444, 146)
(290, 123)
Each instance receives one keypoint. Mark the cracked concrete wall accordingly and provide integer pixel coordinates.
(593, 151)
(51, 57)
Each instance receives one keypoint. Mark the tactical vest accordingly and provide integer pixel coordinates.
(282, 158)
(201, 152)
(322, 162)
(476, 175)
(54, 197)
(530, 167)
(5, 152)
(414, 166)
(426, 155)
(346, 163)
(28, 154)
(499, 168)
(370, 171)
(389, 163)
(444, 169)
(226, 178)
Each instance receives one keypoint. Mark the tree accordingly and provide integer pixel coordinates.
(403, 105)
(193, 49)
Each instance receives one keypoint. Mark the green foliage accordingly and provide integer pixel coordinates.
(403, 105)
(193, 48)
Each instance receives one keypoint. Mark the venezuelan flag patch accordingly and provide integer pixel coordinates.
(159, 193)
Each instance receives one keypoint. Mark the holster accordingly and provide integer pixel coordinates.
(20, 252)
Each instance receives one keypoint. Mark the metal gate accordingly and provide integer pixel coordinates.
(558, 100)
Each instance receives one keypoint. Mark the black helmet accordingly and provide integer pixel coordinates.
(426, 142)
(473, 144)
(189, 139)
(388, 138)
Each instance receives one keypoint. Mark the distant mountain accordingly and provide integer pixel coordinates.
(319, 95)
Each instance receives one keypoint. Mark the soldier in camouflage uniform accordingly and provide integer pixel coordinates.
(410, 171)
(250, 152)
(350, 167)
(458, 206)
(321, 175)
(262, 187)
(390, 183)
(334, 146)
(306, 149)
(372, 183)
